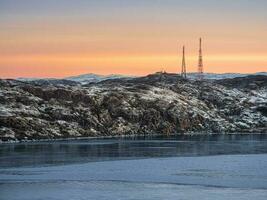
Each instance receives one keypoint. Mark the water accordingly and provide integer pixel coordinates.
(199, 167)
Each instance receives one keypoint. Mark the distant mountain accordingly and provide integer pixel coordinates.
(223, 76)
(48, 81)
(74, 80)
(251, 82)
(94, 78)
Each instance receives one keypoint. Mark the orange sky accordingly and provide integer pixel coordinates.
(134, 39)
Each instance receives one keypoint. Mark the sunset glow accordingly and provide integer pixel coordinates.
(63, 38)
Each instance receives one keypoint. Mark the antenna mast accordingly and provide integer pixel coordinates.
(200, 62)
(183, 73)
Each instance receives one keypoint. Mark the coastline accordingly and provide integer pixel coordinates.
(191, 134)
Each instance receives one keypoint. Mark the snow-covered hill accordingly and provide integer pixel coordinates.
(154, 104)
(94, 78)
(74, 80)
(222, 76)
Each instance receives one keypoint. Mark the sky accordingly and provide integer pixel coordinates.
(59, 38)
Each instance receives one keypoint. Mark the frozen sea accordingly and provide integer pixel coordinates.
(181, 167)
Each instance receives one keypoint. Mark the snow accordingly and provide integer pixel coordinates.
(222, 76)
(89, 78)
(242, 125)
(5, 112)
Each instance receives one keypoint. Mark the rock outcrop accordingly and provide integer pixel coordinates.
(156, 104)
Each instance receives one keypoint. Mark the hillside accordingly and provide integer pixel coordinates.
(156, 104)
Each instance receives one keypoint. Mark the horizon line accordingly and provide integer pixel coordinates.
(126, 75)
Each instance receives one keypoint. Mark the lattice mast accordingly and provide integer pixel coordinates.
(183, 72)
(200, 61)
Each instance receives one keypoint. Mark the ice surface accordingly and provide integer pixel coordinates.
(207, 177)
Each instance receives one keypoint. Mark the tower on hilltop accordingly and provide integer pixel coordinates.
(183, 72)
(200, 62)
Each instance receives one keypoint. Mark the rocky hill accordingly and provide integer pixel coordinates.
(156, 104)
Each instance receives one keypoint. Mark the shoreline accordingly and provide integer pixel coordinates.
(125, 137)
